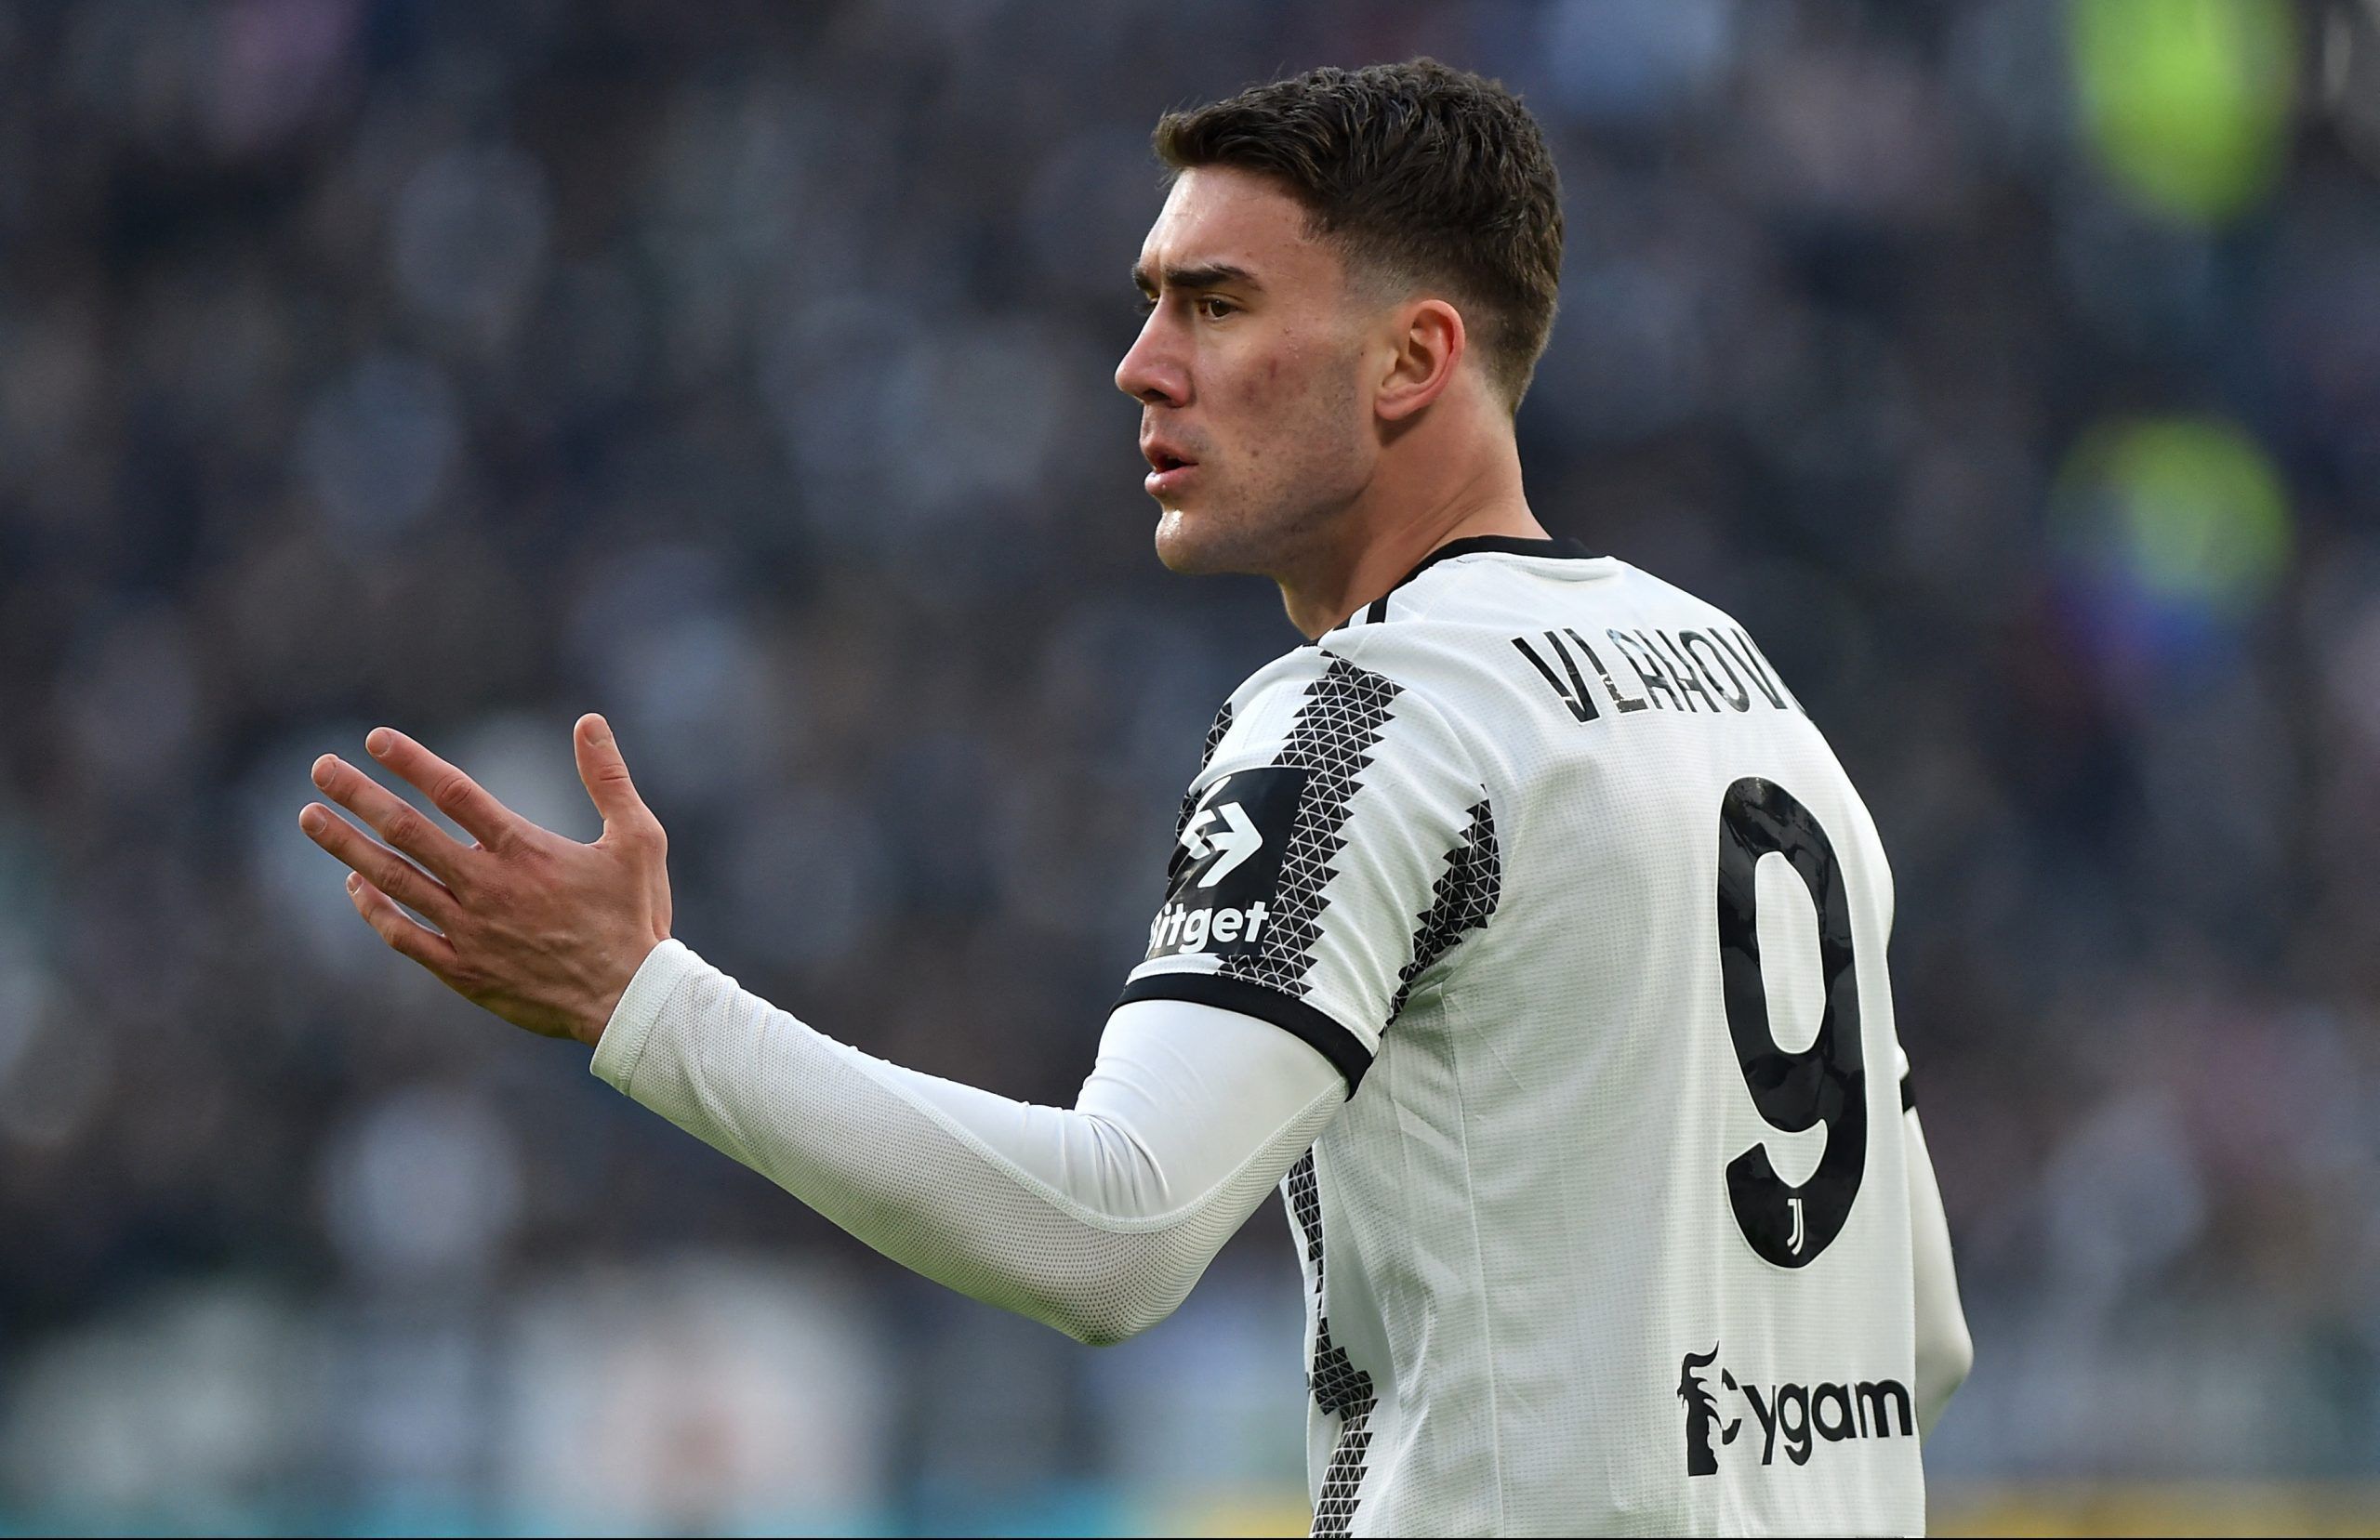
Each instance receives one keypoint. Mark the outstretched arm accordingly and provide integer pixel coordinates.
(1096, 1220)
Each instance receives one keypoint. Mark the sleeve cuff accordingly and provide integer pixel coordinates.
(663, 969)
(1307, 1023)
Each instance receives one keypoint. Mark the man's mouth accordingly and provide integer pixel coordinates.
(1168, 470)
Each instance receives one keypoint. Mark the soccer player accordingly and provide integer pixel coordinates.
(1520, 925)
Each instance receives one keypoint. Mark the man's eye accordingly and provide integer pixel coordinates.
(1214, 307)
(1145, 305)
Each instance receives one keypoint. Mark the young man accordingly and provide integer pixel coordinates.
(1520, 924)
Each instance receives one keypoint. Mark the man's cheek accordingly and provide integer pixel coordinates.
(1257, 377)
(1287, 373)
(1275, 409)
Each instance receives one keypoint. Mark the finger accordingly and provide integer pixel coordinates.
(396, 819)
(378, 865)
(398, 929)
(605, 773)
(449, 790)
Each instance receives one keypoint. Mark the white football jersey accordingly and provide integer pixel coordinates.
(1612, 1236)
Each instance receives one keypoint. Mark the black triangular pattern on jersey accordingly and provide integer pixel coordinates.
(1331, 739)
(1215, 731)
(1464, 900)
(1339, 1389)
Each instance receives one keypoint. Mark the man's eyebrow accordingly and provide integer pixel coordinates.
(1211, 275)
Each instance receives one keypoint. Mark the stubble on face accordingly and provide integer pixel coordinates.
(1274, 416)
(1288, 464)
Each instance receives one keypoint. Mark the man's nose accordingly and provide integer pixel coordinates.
(1152, 373)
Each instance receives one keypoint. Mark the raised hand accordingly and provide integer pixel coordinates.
(542, 931)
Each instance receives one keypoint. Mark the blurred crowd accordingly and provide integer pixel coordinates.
(743, 372)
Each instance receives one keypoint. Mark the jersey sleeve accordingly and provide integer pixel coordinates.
(1096, 1218)
(1336, 843)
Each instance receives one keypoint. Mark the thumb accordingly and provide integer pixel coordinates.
(606, 775)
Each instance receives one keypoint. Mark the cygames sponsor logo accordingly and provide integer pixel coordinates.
(1800, 1416)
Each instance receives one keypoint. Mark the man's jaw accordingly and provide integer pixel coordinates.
(1203, 541)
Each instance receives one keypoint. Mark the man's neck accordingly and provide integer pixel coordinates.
(1389, 534)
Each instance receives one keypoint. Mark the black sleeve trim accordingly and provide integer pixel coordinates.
(1308, 1025)
(1908, 1095)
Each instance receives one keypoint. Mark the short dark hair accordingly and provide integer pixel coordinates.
(1421, 172)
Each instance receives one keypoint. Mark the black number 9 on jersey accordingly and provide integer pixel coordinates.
(1825, 1082)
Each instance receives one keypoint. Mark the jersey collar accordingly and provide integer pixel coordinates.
(1503, 544)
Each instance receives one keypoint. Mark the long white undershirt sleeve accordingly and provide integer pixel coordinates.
(1096, 1220)
(1945, 1352)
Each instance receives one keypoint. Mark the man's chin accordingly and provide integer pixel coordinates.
(1186, 544)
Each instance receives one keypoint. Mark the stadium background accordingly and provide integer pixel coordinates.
(743, 371)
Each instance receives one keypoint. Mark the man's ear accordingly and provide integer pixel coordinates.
(1428, 351)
